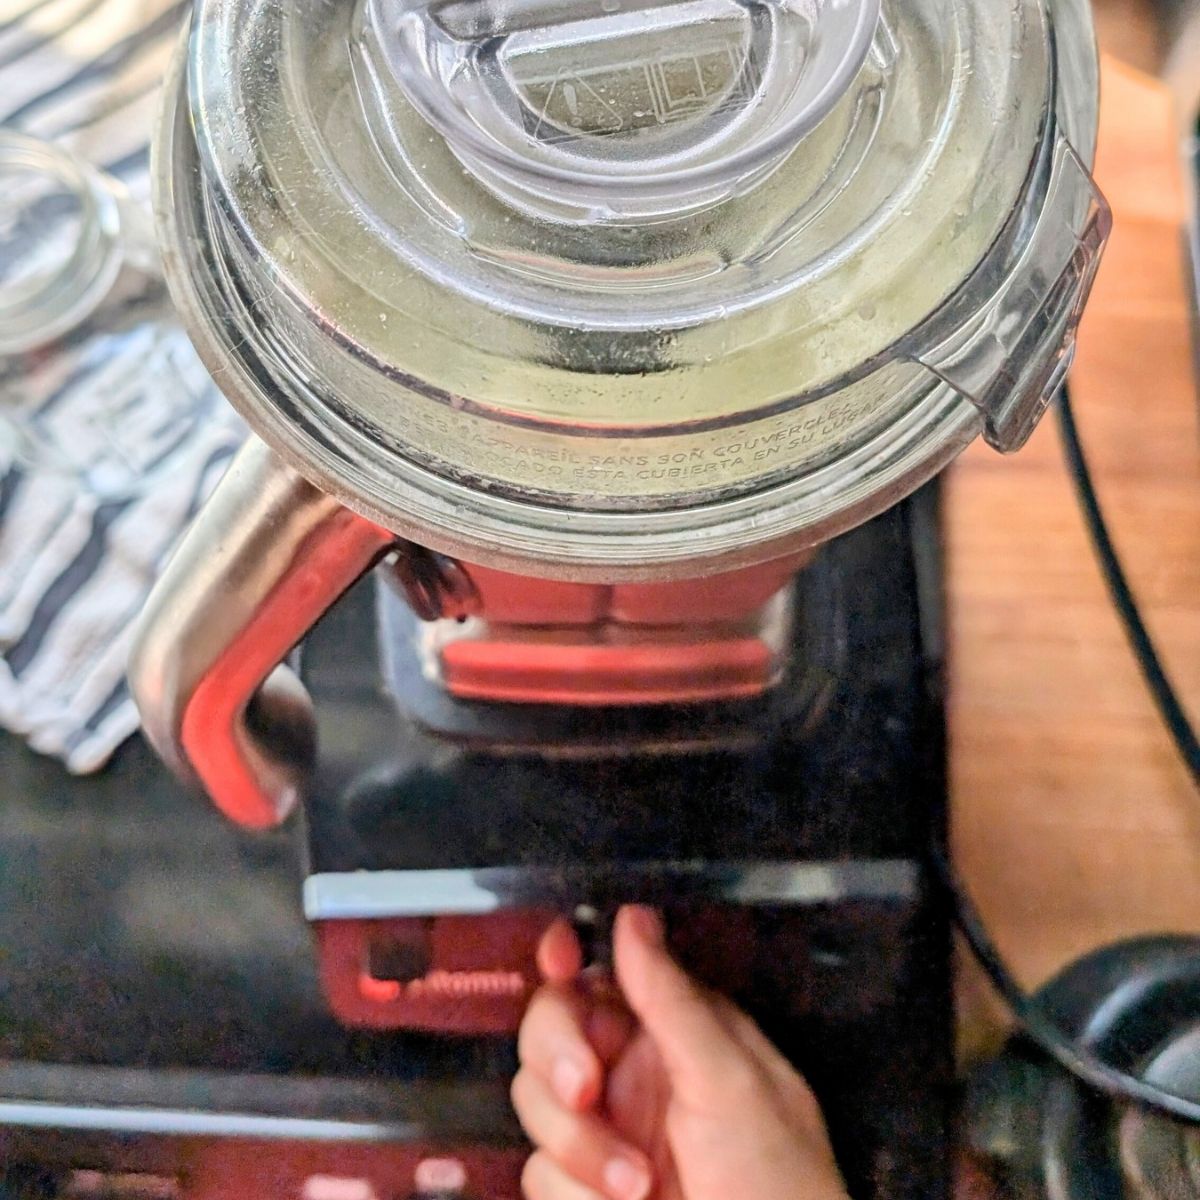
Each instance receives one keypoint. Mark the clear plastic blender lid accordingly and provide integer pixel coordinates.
(464, 233)
(621, 107)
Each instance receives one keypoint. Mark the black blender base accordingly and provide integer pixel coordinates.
(841, 784)
(158, 983)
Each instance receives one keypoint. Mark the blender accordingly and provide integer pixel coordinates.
(576, 336)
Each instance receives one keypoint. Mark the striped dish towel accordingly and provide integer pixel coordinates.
(79, 550)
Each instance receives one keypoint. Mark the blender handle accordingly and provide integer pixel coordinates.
(267, 556)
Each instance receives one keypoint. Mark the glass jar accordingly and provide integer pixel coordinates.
(96, 383)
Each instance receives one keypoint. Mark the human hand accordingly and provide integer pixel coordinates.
(661, 1089)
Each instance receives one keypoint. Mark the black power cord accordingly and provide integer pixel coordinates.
(1183, 732)
(1074, 1056)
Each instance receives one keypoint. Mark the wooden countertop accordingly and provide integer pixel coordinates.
(1075, 823)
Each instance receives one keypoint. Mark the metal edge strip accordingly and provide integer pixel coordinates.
(374, 895)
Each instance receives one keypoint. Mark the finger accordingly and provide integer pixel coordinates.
(559, 955)
(553, 1043)
(581, 1144)
(544, 1179)
(609, 1029)
(790, 1086)
(610, 1024)
(698, 1050)
(784, 1089)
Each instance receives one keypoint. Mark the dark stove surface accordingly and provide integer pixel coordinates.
(140, 931)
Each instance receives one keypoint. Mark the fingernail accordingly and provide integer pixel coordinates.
(646, 923)
(626, 1180)
(569, 1080)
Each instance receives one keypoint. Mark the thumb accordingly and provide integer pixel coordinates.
(559, 955)
(697, 1049)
